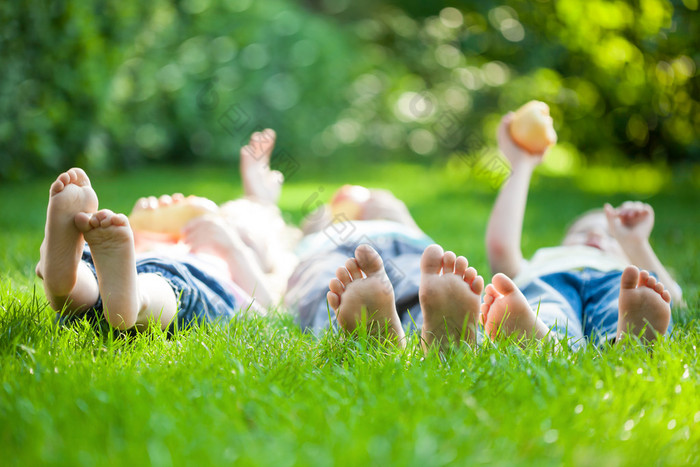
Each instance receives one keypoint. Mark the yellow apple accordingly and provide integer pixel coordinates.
(532, 128)
(348, 203)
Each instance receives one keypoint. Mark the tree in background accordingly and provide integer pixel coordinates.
(107, 84)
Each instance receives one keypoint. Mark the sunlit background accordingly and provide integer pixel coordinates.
(113, 85)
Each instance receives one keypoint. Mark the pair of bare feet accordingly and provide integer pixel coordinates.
(72, 219)
(450, 295)
(450, 298)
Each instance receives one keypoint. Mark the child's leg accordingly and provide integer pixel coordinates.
(128, 299)
(158, 301)
(362, 292)
(67, 281)
(450, 295)
(259, 181)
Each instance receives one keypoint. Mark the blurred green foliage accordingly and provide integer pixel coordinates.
(110, 84)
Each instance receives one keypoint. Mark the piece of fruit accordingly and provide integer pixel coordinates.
(348, 203)
(532, 128)
(171, 218)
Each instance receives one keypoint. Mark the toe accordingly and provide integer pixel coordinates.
(353, 268)
(120, 220)
(141, 203)
(72, 175)
(478, 285)
(659, 287)
(470, 274)
(503, 284)
(489, 299)
(369, 260)
(491, 291)
(431, 261)
(343, 276)
(165, 200)
(333, 300)
(630, 278)
(64, 178)
(666, 295)
(82, 221)
(643, 278)
(336, 286)
(246, 151)
(152, 202)
(268, 139)
(57, 186)
(94, 221)
(461, 266)
(81, 177)
(448, 262)
(102, 218)
(651, 282)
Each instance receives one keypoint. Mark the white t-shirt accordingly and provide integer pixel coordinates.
(566, 258)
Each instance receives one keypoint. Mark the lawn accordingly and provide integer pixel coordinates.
(260, 392)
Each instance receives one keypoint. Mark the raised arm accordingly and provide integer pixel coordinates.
(504, 231)
(631, 224)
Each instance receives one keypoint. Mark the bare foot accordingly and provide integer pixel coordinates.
(449, 300)
(506, 312)
(259, 182)
(63, 243)
(365, 298)
(168, 214)
(112, 245)
(644, 305)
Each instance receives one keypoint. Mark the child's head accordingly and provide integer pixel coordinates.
(591, 229)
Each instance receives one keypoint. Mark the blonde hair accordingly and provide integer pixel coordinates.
(582, 216)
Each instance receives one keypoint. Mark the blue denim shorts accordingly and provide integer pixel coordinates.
(201, 297)
(578, 305)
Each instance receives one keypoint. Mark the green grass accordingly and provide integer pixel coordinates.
(261, 392)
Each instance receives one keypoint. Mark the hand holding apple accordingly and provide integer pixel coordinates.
(532, 129)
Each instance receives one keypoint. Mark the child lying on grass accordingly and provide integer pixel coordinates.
(385, 274)
(213, 278)
(589, 286)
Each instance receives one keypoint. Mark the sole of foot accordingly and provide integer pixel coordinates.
(450, 296)
(111, 243)
(362, 293)
(644, 305)
(506, 312)
(63, 243)
(259, 182)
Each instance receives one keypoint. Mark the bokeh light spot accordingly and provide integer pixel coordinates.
(304, 53)
(451, 17)
(255, 56)
(281, 91)
(223, 49)
(421, 141)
